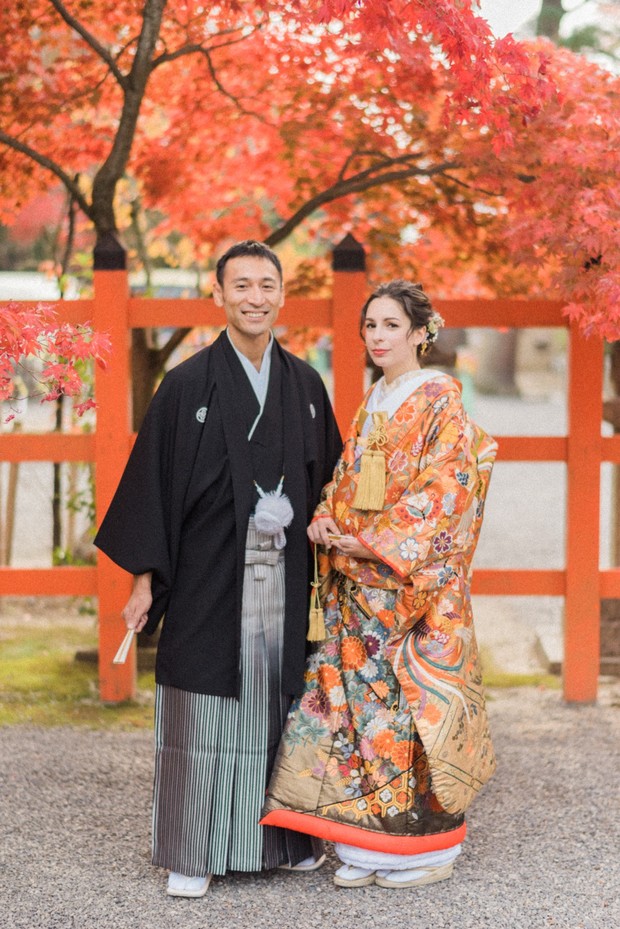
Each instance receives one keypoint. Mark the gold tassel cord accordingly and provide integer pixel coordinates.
(370, 493)
(316, 629)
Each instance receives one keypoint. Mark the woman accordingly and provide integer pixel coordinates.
(389, 742)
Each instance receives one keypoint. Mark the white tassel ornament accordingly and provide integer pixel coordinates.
(273, 514)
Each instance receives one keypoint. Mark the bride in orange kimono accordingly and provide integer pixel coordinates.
(389, 742)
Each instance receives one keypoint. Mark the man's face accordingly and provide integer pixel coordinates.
(251, 294)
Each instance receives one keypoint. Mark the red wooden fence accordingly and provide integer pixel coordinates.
(581, 582)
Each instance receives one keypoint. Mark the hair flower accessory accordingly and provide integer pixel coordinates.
(433, 326)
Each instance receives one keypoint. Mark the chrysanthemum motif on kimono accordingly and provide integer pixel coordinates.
(393, 704)
(426, 536)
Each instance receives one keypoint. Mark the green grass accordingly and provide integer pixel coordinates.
(495, 677)
(42, 684)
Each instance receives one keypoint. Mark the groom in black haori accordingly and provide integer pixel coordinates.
(210, 517)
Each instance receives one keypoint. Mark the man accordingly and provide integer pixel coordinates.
(240, 422)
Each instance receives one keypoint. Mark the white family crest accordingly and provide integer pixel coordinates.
(312, 411)
(201, 414)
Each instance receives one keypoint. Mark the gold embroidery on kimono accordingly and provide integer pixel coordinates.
(391, 735)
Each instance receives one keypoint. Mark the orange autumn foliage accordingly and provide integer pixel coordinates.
(36, 343)
(481, 166)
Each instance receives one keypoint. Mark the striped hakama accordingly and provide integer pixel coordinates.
(214, 755)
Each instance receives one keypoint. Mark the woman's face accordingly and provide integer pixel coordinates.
(390, 341)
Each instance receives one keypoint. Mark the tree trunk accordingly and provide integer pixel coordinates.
(6, 552)
(134, 86)
(496, 374)
(611, 413)
(549, 19)
(57, 492)
(147, 365)
(497, 368)
(610, 607)
(145, 369)
(11, 498)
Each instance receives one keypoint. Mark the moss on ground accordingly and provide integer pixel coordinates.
(494, 677)
(42, 683)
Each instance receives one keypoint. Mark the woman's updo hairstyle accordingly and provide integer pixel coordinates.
(415, 304)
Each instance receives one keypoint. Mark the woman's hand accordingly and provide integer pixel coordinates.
(324, 531)
(320, 529)
(349, 545)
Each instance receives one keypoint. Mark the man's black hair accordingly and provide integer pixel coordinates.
(250, 248)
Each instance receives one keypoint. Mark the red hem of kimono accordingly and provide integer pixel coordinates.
(364, 838)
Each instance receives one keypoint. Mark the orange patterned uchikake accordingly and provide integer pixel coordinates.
(389, 742)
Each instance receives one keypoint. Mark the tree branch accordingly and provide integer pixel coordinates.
(114, 166)
(164, 353)
(384, 161)
(356, 184)
(194, 48)
(197, 48)
(229, 42)
(478, 190)
(357, 154)
(147, 40)
(68, 250)
(227, 93)
(90, 40)
(49, 165)
(141, 248)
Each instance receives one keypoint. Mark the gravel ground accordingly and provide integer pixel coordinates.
(542, 849)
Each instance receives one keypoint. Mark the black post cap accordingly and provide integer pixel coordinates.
(109, 254)
(349, 255)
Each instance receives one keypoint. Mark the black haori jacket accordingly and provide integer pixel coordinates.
(182, 507)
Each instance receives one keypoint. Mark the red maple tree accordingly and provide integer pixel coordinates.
(35, 345)
(449, 153)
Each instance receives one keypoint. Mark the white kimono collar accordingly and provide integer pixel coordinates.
(388, 398)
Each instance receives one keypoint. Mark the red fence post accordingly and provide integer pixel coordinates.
(348, 296)
(583, 450)
(116, 682)
(582, 608)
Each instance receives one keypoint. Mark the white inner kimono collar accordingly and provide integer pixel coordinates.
(258, 379)
(387, 398)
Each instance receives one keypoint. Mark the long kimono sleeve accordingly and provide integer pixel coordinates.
(434, 519)
(135, 532)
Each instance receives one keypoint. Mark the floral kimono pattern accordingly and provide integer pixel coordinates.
(389, 742)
